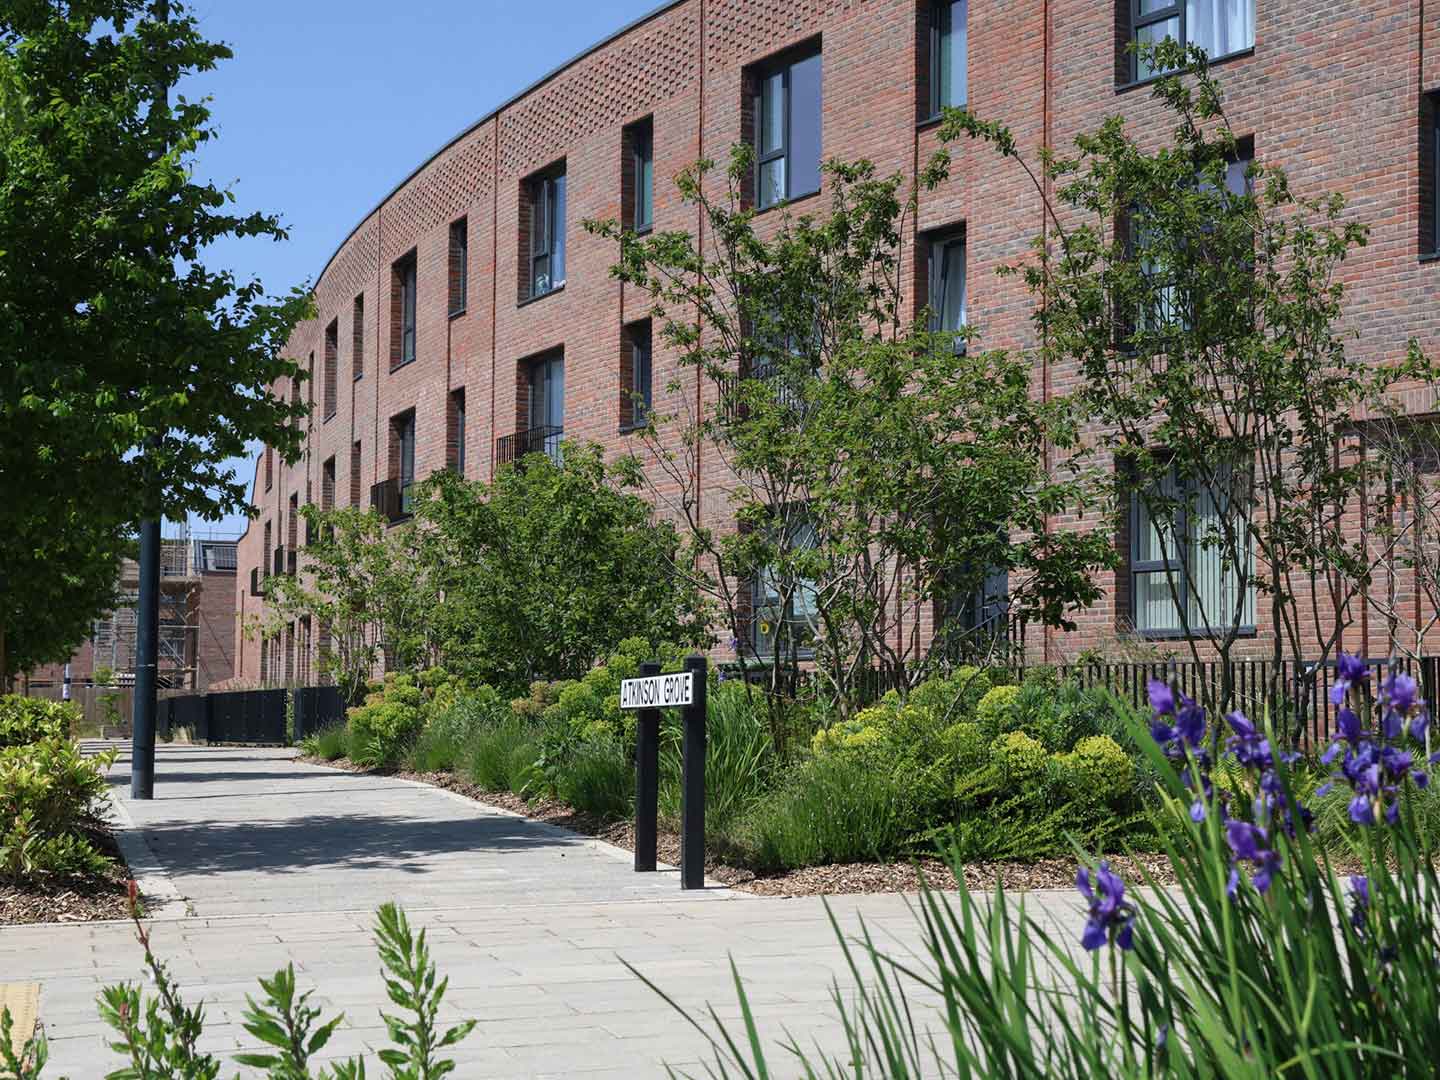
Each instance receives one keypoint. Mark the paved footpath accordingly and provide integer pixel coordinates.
(259, 860)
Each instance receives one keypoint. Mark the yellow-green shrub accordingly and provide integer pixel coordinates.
(966, 744)
(954, 697)
(382, 729)
(25, 720)
(996, 711)
(49, 790)
(1097, 770)
(1020, 758)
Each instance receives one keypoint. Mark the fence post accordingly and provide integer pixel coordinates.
(647, 778)
(692, 802)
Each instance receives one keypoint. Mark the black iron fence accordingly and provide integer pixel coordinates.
(257, 717)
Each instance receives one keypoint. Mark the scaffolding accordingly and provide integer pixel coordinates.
(184, 558)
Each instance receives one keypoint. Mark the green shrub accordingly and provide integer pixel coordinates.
(25, 720)
(382, 729)
(599, 778)
(455, 719)
(954, 697)
(833, 808)
(739, 758)
(327, 744)
(491, 759)
(49, 791)
(524, 773)
(1097, 770)
(996, 712)
(966, 745)
(1020, 758)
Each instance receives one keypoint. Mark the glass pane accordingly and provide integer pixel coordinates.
(537, 395)
(640, 379)
(644, 182)
(953, 50)
(555, 394)
(557, 225)
(952, 299)
(540, 284)
(1154, 540)
(804, 142)
(540, 217)
(1215, 597)
(1148, 7)
(1154, 606)
(772, 113)
(1154, 33)
(1220, 27)
(772, 182)
(1235, 180)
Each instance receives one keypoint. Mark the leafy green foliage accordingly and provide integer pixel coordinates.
(997, 710)
(49, 793)
(286, 1023)
(599, 777)
(382, 729)
(28, 1061)
(740, 759)
(26, 720)
(104, 227)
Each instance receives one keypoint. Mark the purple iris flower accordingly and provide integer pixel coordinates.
(1350, 671)
(1420, 724)
(1109, 912)
(1362, 810)
(1190, 722)
(1250, 843)
(1348, 724)
(1162, 698)
(1360, 895)
(1400, 692)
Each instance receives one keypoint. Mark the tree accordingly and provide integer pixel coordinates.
(871, 468)
(542, 573)
(1199, 299)
(131, 370)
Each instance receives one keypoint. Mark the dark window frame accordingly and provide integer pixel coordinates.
(406, 272)
(357, 338)
(936, 243)
(1139, 20)
(639, 355)
(457, 431)
(459, 266)
(783, 65)
(939, 9)
(402, 427)
(332, 371)
(542, 206)
(641, 139)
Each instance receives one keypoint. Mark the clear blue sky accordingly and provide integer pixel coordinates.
(327, 105)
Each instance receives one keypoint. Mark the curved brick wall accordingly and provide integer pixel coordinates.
(1338, 108)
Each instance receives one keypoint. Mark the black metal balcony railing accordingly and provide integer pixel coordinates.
(390, 499)
(537, 440)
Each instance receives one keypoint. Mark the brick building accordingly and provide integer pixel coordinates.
(468, 317)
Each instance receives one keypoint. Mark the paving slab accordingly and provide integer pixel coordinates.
(274, 861)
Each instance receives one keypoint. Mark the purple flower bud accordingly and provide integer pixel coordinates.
(1352, 668)
(1400, 691)
(1190, 722)
(1241, 725)
(1108, 910)
(1348, 724)
(1362, 811)
(1422, 779)
(1419, 725)
(1197, 811)
(1162, 698)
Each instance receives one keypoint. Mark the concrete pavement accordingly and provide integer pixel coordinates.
(272, 861)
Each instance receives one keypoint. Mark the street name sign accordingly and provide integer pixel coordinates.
(658, 691)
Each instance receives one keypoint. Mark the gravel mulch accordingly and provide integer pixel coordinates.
(66, 898)
(835, 879)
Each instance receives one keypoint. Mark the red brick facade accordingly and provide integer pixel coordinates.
(1333, 93)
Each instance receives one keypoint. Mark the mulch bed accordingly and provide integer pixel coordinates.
(65, 898)
(835, 879)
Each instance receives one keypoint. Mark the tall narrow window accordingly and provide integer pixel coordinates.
(269, 470)
(1220, 27)
(947, 286)
(327, 485)
(787, 129)
(1187, 541)
(547, 404)
(635, 380)
(332, 363)
(357, 338)
(402, 457)
(265, 561)
(546, 222)
(949, 58)
(402, 312)
(455, 442)
(355, 474)
(1430, 174)
(640, 193)
(459, 265)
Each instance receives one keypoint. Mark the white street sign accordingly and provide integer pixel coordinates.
(658, 691)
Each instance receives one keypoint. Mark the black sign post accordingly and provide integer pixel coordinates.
(692, 784)
(647, 778)
(647, 695)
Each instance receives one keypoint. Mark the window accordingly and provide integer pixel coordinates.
(455, 438)
(546, 228)
(357, 338)
(946, 272)
(1220, 27)
(778, 604)
(459, 265)
(787, 129)
(402, 312)
(269, 550)
(327, 485)
(635, 376)
(639, 193)
(332, 363)
(948, 54)
(292, 531)
(402, 457)
(1185, 541)
(547, 404)
(1430, 174)
(355, 474)
(269, 470)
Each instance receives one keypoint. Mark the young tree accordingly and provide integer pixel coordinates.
(1198, 298)
(542, 573)
(871, 469)
(131, 370)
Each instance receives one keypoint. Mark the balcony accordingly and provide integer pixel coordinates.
(391, 499)
(513, 449)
